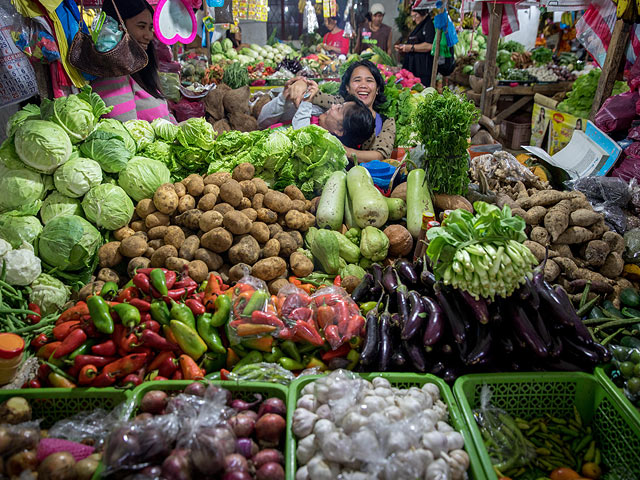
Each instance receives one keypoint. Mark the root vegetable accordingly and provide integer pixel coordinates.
(154, 245)
(187, 202)
(544, 198)
(577, 286)
(246, 251)
(301, 266)
(217, 240)
(244, 171)
(260, 232)
(231, 192)
(350, 282)
(271, 249)
(584, 217)
(195, 185)
(154, 402)
(165, 199)
(189, 247)
(156, 219)
(248, 188)
(159, 257)
(538, 250)
(138, 226)
(595, 253)
(237, 476)
(175, 263)
(157, 232)
(272, 405)
(540, 235)
(613, 265)
(21, 461)
(615, 241)
(599, 228)
(207, 202)
(236, 222)
(123, 233)
(277, 201)
(269, 429)
(242, 425)
(108, 275)
(299, 205)
(294, 193)
(134, 246)
(562, 250)
(297, 236)
(244, 203)
(210, 220)
(198, 270)
(246, 447)
(145, 207)
(180, 189)
(270, 471)
(235, 463)
(238, 271)
(15, 410)
(277, 284)
(556, 219)
(174, 236)
(86, 468)
(400, 240)
(211, 259)
(574, 235)
(109, 255)
(535, 215)
(450, 202)
(267, 216)
(287, 244)
(269, 268)
(261, 185)
(551, 271)
(57, 466)
(211, 188)
(190, 219)
(258, 201)
(217, 178)
(136, 263)
(296, 220)
(250, 213)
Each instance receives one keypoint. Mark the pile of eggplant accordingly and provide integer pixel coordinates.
(421, 325)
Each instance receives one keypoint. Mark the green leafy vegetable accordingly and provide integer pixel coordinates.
(142, 132)
(57, 204)
(580, 98)
(541, 55)
(142, 177)
(108, 206)
(196, 132)
(115, 126)
(19, 230)
(20, 188)
(49, 293)
(108, 149)
(236, 76)
(165, 130)
(42, 145)
(77, 176)
(30, 112)
(69, 243)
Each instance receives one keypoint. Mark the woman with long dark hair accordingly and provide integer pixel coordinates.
(137, 96)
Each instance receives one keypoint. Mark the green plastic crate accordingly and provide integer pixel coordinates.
(399, 380)
(531, 395)
(615, 391)
(53, 404)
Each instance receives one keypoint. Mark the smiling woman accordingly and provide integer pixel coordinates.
(136, 96)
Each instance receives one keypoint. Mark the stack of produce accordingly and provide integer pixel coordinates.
(198, 433)
(228, 103)
(470, 41)
(580, 98)
(351, 428)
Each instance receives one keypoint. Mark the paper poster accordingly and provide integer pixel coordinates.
(539, 124)
(17, 78)
(561, 129)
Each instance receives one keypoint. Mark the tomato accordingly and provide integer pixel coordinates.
(564, 473)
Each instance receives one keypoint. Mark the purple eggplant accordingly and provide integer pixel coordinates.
(406, 270)
(363, 289)
(370, 345)
(389, 279)
(435, 323)
(534, 298)
(506, 343)
(402, 302)
(479, 307)
(556, 347)
(581, 330)
(427, 278)
(376, 270)
(482, 348)
(541, 328)
(455, 322)
(523, 327)
(416, 355)
(603, 352)
(580, 354)
(385, 345)
(549, 297)
(438, 369)
(416, 318)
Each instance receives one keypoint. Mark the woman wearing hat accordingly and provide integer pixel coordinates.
(374, 32)
(137, 96)
(417, 51)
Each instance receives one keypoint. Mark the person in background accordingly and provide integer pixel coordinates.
(417, 52)
(137, 96)
(335, 41)
(236, 38)
(374, 32)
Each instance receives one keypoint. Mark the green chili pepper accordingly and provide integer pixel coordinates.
(365, 307)
(223, 307)
(203, 286)
(353, 356)
(129, 315)
(274, 356)
(213, 362)
(257, 302)
(253, 356)
(182, 313)
(188, 339)
(239, 350)
(100, 314)
(109, 290)
(290, 363)
(290, 348)
(209, 333)
(160, 312)
(159, 281)
(306, 348)
(84, 349)
(128, 284)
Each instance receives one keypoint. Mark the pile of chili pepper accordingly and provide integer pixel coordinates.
(158, 327)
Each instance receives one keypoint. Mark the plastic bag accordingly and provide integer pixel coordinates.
(617, 113)
(263, 372)
(610, 190)
(109, 36)
(170, 86)
(23, 436)
(503, 166)
(253, 313)
(186, 109)
(632, 246)
(36, 42)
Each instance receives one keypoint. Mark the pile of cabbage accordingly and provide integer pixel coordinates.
(66, 175)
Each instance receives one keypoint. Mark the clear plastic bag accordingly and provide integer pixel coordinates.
(617, 113)
(23, 436)
(170, 86)
(109, 36)
(503, 166)
(632, 246)
(264, 372)
(610, 190)
(35, 41)
(253, 313)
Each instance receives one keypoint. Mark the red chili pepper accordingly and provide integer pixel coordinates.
(97, 360)
(88, 373)
(170, 278)
(337, 281)
(342, 316)
(199, 296)
(165, 363)
(156, 342)
(131, 380)
(105, 349)
(329, 299)
(175, 294)
(264, 318)
(43, 371)
(197, 308)
(73, 371)
(307, 333)
(224, 374)
(159, 378)
(148, 325)
(34, 383)
(190, 369)
(354, 326)
(286, 334)
(103, 380)
(126, 365)
(183, 283)
(47, 350)
(142, 281)
(34, 307)
(61, 331)
(73, 313)
(140, 304)
(301, 313)
(145, 317)
(332, 335)
(147, 271)
(341, 351)
(70, 343)
(128, 294)
(40, 341)
(177, 375)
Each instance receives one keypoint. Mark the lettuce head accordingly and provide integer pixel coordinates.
(49, 293)
(142, 132)
(42, 145)
(165, 130)
(196, 132)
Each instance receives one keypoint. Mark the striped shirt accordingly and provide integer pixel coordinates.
(129, 100)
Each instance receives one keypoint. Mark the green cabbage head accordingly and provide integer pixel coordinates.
(165, 130)
(30, 112)
(21, 189)
(19, 230)
(69, 242)
(49, 293)
(142, 177)
(108, 206)
(57, 204)
(42, 145)
(196, 132)
(116, 126)
(108, 149)
(142, 132)
(77, 176)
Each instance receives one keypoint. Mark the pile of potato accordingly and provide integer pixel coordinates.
(228, 223)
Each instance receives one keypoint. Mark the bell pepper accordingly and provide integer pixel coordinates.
(301, 313)
(325, 316)
(160, 312)
(149, 325)
(61, 331)
(179, 293)
(290, 349)
(223, 309)
(71, 342)
(209, 333)
(58, 381)
(293, 301)
(290, 364)
(128, 293)
(188, 339)
(125, 365)
(232, 358)
(262, 344)
(212, 363)
(367, 306)
(34, 383)
(189, 368)
(87, 374)
(151, 339)
(275, 355)
(97, 360)
(129, 315)
(252, 357)
(73, 313)
(46, 351)
(36, 316)
(308, 333)
(40, 341)
(183, 314)
(332, 335)
(159, 281)
(100, 314)
(109, 290)
(247, 329)
(177, 375)
(258, 301)
(168, 334)
(355, 326)
(164, 363)
(259, 317)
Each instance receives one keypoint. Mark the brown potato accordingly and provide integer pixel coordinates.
(274, 229)
(195, 185)
(297, 236)
(294, 193)
(123, 233)
(157, 232)
(144, 235)
(311, 220)
(133, 246)
(189, 247)
(299, 205)
(308, 205)
(145, 207)
(248, 188)
(246, 251)
(314, 205)
(260, 232)
(109, 255)
(157, 243)
(57, 466)
(198, 270)
(190, 219)
(180, 189)
(210, 220)
(186, 203)
(287, 244)
(91, 288)
(236, 222)
(217, 240)
(244, 203)
(211, 188)
(238, 271)
(149, 253)
(244, 171)
(176, 263)
(269, 268)
(250, 213)
(166, 199)
(207, 202)
(21, 461)
(213, 260)
(277, 201)
(138, 226)
(277, 284)
(267, 216)
(271, 248)
(301, 266)
(108, 275)
(223, 208)
(231, 193)
(217, 178)
(296, 220)
(138, 262)
(157, 219)
(159, 257)
(261, 185)
(257, 201)
(175, 236)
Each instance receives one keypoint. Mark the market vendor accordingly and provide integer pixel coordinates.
(374, 32)
(350, 121)
(335, 41)
(235, 35)
(364, 81)
(137, 96)
(417, 51)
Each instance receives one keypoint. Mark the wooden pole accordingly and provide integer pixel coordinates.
(490, 67)
(615, 56)
(436, 58)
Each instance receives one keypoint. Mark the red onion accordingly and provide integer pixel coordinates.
(241, 405)
(269, 429)
(176, 466)
(250, 414)
(235, 463)
(242, 425)
(154, 471)
(213, 390)
(270, 471)
(153, 401)
(246, 447)
(196, 388)
(143, 417)
(268, 455)
(272, 405)
(237, 476)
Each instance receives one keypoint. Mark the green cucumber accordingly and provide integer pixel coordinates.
(330, 212)
(418, 200)
(369, 206)
(397, 208)
(630, 297)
